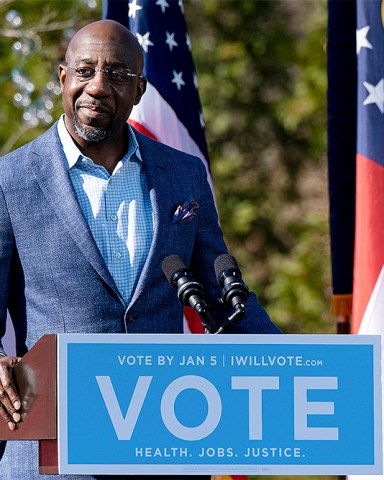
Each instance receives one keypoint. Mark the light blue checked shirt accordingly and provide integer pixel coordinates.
(117, 208)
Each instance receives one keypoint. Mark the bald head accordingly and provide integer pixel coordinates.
(105, 34)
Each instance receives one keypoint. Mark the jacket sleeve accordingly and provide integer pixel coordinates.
(209, 244)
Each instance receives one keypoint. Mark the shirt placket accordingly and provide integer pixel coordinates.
(115, 201)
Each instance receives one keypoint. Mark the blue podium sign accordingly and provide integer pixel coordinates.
(219, 404)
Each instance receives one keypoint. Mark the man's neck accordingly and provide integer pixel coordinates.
(106, 154)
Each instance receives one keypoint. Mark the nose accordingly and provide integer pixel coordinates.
(98, 86)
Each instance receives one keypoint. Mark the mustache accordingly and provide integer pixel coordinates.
(94, 104)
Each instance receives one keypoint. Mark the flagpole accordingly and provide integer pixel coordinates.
(342, 112)
(343, 323)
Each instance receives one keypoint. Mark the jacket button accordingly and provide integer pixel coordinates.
(128, 318)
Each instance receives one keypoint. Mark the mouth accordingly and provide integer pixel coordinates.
(94, 111)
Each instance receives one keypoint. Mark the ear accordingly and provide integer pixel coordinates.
(62, 74)
(141, 87)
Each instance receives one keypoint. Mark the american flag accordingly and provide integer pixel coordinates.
(170, 111)
(357, 107)
(368, 288)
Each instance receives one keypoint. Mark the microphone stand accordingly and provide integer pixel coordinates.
(233, 318)
(207, 320)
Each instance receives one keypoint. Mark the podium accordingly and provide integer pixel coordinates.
(202, 404)
(36, 378)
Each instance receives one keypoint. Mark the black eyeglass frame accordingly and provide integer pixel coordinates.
(108, 71)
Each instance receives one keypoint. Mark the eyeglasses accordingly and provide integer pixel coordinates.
(113, 74)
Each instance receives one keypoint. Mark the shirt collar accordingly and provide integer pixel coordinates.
(72, 152)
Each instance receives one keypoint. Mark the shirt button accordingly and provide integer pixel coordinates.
(118, 255)
(113, 217)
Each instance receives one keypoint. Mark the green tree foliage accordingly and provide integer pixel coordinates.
(262, 79)
(33, 35)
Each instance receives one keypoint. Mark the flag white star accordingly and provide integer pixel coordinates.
(144, 41)
(171, 41)
(133, 8)
(361, 39)
(188, 41)
(177, 79)
(163, 4)
(202, 123)
(195, 80)
(376, 94)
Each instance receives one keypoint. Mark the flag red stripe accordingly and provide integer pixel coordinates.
(194, 321)
(142, 129)
(369, 240)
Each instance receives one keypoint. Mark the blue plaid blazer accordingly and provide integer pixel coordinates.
(54, 279)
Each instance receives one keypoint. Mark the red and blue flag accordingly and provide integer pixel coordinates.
(368, 286)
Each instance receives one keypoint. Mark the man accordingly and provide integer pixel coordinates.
(89, 211)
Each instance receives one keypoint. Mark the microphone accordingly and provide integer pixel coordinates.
(189, 291)
(234, 292)
(229, 278)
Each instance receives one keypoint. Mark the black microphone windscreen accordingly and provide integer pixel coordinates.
(171, 265)
(224, 262)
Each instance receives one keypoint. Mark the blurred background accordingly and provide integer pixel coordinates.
(261, 69)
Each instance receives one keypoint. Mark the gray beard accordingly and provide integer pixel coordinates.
(95, 135)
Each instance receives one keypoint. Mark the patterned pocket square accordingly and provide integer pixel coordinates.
(185, 212)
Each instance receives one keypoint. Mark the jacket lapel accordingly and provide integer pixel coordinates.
(160, 192)
(49, 166)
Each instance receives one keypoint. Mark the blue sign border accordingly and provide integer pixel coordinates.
(296, 388)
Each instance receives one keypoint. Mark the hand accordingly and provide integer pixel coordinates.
(10, 403)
